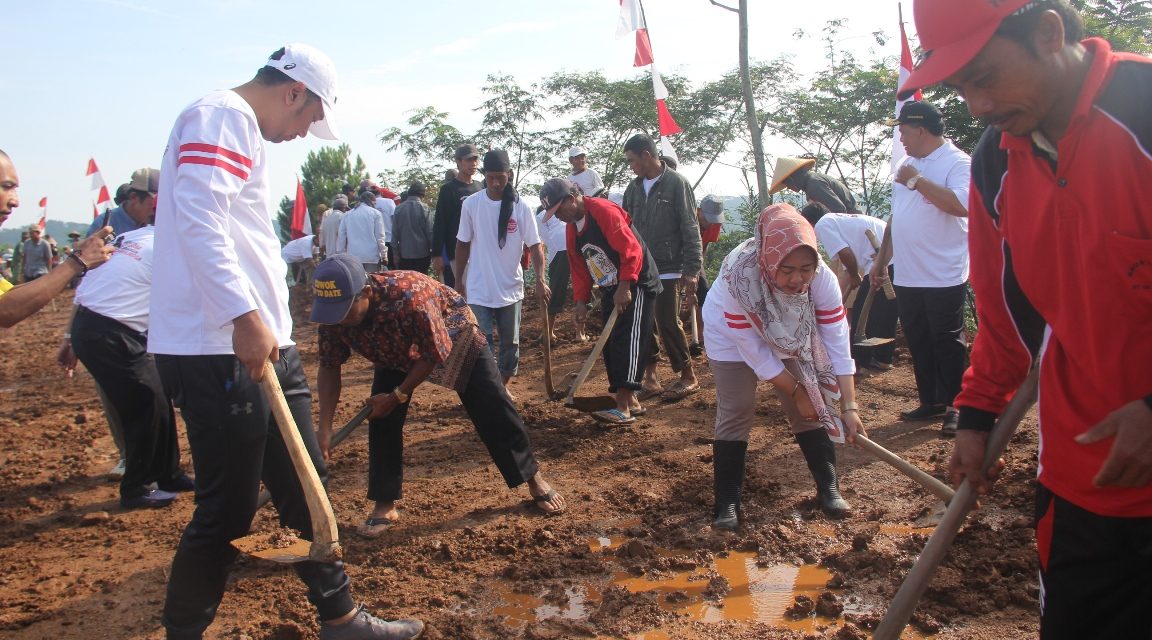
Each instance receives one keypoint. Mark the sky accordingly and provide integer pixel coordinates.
(105, 79)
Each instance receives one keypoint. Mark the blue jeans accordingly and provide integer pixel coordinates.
(507, 321)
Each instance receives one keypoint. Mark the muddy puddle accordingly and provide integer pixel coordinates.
(781, 595)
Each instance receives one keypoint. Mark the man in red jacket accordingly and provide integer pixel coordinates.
(605, 250)
(1061, 247)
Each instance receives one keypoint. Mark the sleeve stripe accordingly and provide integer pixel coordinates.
(739, 325)
(733, 316)
(214, 162)
(832, 312)
(220, 151)
(833, 319)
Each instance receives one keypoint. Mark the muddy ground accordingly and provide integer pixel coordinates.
(632, 557)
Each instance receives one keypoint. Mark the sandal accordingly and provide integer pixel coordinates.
(375, 527)
(638, 412)
(613, 417)
(679, 391)
(646, 393)
(541, 503)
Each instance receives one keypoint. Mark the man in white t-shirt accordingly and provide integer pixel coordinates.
(844, 237)
(495, 227)
(330, 225)
(929, 240)
(584, 176)
(219, 313)
(300, 256)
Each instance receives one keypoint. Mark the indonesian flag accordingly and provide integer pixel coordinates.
(301, 222)
(898, 153)
(103, 199)
(632, 21)
(43, 213)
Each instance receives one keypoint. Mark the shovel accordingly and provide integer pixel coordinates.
(934, 486)
(889, 292)
(941, 539)
(859, 338)
(553, 392)
(593, 403)
(288, 548)
(337, 438)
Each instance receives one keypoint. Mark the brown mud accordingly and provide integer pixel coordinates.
(632, 557)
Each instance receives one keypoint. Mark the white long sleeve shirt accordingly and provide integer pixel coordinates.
(362, 234)
(730, 337)
(219, 253)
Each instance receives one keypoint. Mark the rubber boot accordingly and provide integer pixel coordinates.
(820, 453)
(728, 480)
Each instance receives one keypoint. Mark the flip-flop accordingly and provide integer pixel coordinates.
(638, 412)
(540, 501)
(645, 393)
(375, 527)
(613, 417)
(680, 391)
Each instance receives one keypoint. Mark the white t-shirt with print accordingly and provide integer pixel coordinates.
(930, 247)
(121, 288)
(495, 278)
(588, 180)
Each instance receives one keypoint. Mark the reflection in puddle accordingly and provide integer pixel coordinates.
(756, 593)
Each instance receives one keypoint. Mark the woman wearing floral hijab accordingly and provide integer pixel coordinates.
(775, 314)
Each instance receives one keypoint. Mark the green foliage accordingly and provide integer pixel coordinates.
(512, 121)
(322, 175)
(1126, 24)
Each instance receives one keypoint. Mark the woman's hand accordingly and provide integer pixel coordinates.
(852, 425)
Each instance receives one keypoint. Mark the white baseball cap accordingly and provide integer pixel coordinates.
(307, 64)
(576, 151)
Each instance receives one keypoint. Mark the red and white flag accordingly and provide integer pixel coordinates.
(103, 199)
(301, 221)
(898, 153)
(632, 21)
(43, 213)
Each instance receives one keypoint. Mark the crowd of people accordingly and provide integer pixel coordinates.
(1061, 269)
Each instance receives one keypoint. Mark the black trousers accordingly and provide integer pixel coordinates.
(419, 265)
(626, 352)
(933, 320)
(492, 413)
(1095, 572)
(559, 276)
(236, 444)
(118, 359)
(881, 321)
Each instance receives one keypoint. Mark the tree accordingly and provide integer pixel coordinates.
(322, 175)
(1126, 24)
(511, 122)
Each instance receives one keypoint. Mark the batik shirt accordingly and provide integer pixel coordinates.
(410, 317)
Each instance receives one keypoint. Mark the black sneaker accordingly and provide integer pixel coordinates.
(365, 626)
(180, 483)
(951, 420)
(695, 349)
(154, 499)
(924, 412)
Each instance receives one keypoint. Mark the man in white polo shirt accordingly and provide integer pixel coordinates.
(584, 176)
(219, 313)
(495, 226)
(929, 239)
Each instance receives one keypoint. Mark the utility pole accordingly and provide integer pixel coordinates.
(754, 129)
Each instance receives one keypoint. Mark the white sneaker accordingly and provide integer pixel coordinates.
(117, 472)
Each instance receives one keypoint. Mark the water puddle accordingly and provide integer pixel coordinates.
(755, 593)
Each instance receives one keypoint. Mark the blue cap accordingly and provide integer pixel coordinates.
(335, 284)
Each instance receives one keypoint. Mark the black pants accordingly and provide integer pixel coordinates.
(118, 359)
(1095, 572)
(419, 265)
(626, 352)
(559, 276)
(933, 320)
(236, 444)
(881, 321)
(493, 415)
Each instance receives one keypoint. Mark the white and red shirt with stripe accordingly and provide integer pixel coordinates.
(218, 255)
(730, 337)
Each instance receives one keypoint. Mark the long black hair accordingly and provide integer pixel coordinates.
(507, 199)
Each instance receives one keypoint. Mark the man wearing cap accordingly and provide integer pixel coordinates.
(663, 208)
(362, 233)
(710, 217)
(495, 227)
(330, 225)
(17, 302)
(116, 217)
(844, 237)
(446, 224)
(219, 313)
(605, 250)
(584, 176)
(928, 237)
(37, 255)
(1060, 240)
(797, 175)
(412, 230)
(109, 334)
(413, 328)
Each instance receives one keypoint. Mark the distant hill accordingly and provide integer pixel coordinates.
(10, 235)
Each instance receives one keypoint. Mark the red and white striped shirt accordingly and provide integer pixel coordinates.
(217, 252)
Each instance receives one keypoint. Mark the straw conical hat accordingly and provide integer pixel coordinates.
(785, 167)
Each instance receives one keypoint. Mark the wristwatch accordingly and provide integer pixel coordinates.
(913, 181)
(400, 395)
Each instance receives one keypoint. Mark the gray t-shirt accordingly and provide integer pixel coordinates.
(37, 258)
